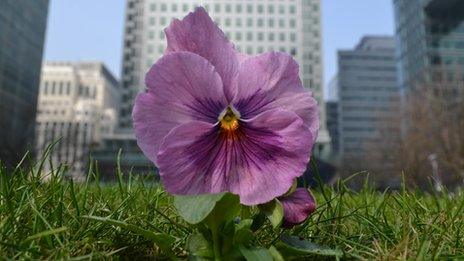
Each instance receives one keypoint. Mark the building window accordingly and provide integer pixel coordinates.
(152, 21)
(293, 37)
(260, 36)
(281, 9)
(174, 7)
(250, 8)
(260, 9)
(260, 22)
(53, 88)
(249, 36)
(163, 20)
(238, 8)
(185, 7)
(238, 36)
(282, 37)
(270, 9)
(164, 7)
(270, 37)
(151, 34)
(270, 22)
(217, 8)
(153, 7)
(238, 22)
(292, 9)
(281, 23)
(292, 23)
(249, 22)
(227, 21)
(46, 88)
(249, 50)
(228, 8)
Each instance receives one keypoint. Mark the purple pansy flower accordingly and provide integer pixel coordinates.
(215, 120)
(297, 207)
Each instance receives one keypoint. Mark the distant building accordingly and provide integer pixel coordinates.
(291, 26)
(430, 39)
(332, 118)
(78, 103)
(22, 31)
(368, 99)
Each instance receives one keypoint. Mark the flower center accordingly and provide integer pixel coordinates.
(229, 119)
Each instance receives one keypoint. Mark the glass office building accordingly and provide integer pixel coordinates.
(430, 40)
(22, 31)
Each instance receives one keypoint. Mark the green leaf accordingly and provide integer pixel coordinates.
(275, 254)
(164, 241)
(226, 209)
(199, 248)
(294, 246)
(243, 235)
(274, 211)
(256, 254)
(194, 209)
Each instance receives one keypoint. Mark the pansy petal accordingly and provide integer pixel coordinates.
(297, 207)
(181, 87)
(258, 162)
(269, 81)
(197, 33)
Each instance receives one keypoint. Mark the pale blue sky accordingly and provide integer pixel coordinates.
(92, 29)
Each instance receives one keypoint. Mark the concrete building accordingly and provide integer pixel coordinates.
(22, 32)
(368, 98)
(78, 103)
(291, 26)
(430, 40)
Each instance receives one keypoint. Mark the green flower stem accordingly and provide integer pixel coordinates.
(216, 243)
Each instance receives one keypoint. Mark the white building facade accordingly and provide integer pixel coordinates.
(78, 105)
(291, 26)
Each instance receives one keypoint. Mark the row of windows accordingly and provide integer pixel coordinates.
(366, 108)
(366, 57)
(249, 36)
(369, 88)
(237, 22)
(376, 78)
(64, 88)
(59, 88)
(369, 68)
(228, 8)
(364, 98)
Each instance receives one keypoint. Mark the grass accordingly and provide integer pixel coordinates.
(47, 220)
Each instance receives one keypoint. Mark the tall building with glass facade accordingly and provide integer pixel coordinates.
(22, 32)
(430, 40)
(368, 97)
(291, 26)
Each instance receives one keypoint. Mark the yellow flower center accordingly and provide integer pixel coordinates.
(229, 120)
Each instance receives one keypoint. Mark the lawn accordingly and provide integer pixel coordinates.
(49, 220)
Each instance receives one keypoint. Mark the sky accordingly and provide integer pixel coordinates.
(93, 29)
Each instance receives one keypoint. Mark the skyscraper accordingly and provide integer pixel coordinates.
(78, 103)
(291, 26)
(332, 117)
(368, 98)
(430, 40)
(22, 31)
